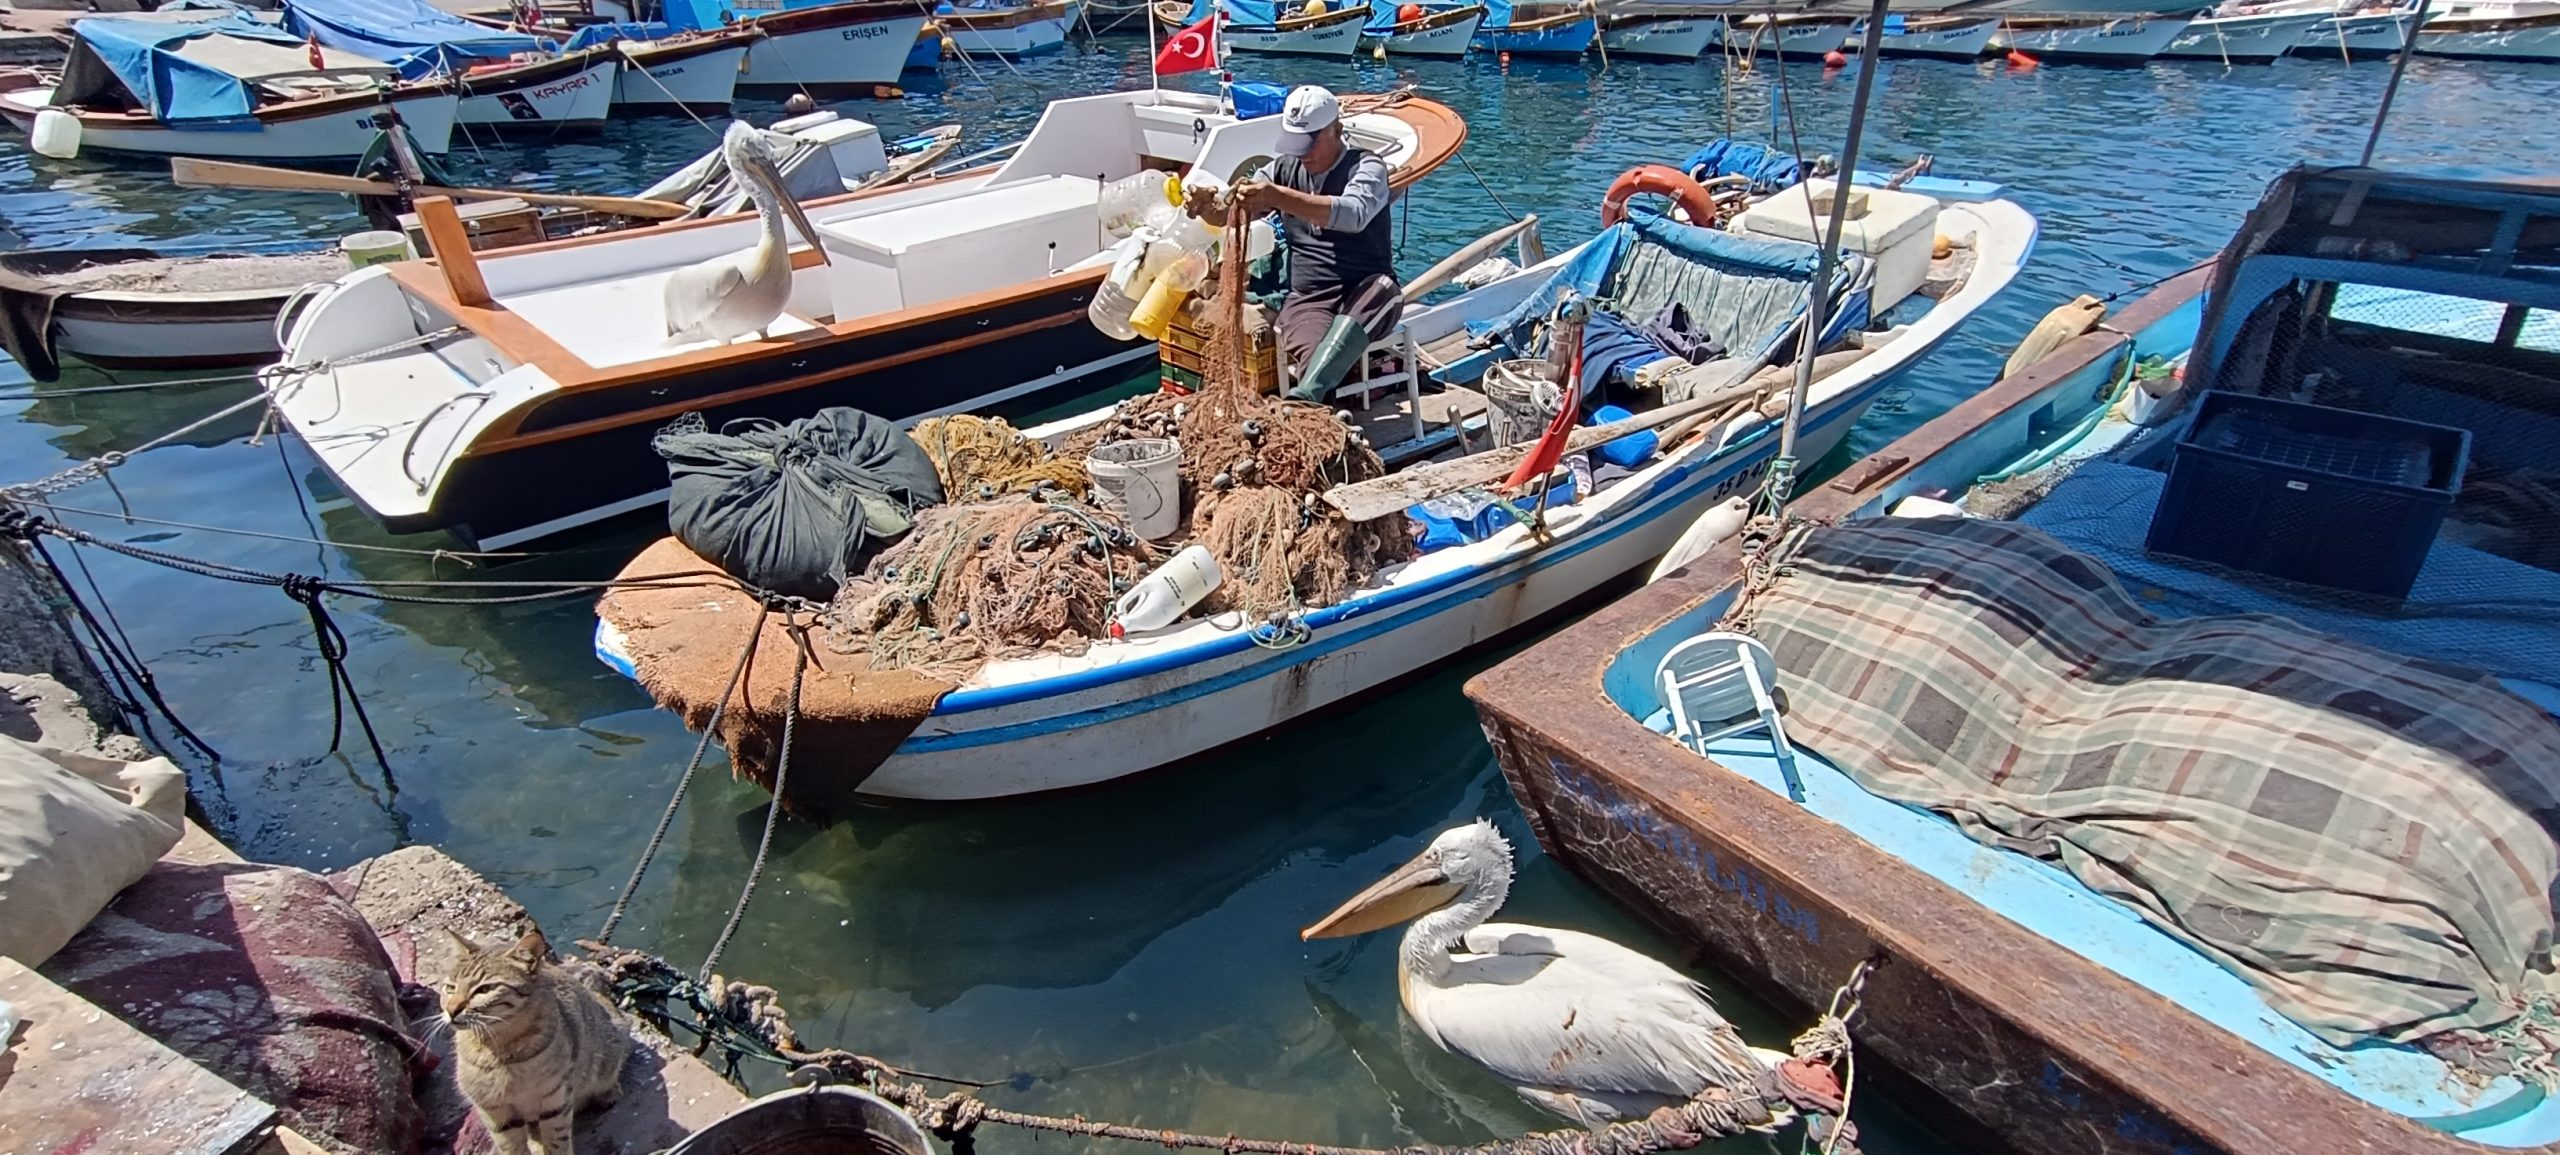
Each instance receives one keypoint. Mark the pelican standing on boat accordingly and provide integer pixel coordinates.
(1576, 1023)
(732, 295)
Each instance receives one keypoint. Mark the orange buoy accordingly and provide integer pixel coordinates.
(1835, 59)
(2020, 60)
(1659, 180)
(1408, 13)
(1506, 58)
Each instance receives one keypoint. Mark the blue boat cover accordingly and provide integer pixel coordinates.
(1768, 168)
(181, 93)
(419, 40)
(698, 15)
(1255, 99)
(595, 34)
(1245, 13)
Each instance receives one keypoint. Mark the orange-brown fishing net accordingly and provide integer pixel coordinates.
(984, 458)
(986, 580)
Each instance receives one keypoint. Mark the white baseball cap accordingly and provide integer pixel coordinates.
(1311, 109)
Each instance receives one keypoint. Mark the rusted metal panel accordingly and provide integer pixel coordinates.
(75, 1079)
(2028, 1041)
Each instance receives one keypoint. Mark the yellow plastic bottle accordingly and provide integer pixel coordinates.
(1165, 296)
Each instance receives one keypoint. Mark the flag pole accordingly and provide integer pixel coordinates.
(1155, 79)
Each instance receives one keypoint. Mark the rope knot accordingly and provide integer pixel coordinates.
(304, 588)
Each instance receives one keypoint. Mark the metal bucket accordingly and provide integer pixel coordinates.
(1521, 397)
(824, 1120)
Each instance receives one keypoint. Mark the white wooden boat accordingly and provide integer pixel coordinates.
(697, 73)
(1941, 37)
(1793, 36)
(567, 92)
(2243, 38)
(1440, 32)
(531, 412)
(1011, 30)
(1154, 699)
(509, 79)
(2523, 30)
(1659, 31)
(162, 308)
(2369, 32)
(833, 49)
(1335, 32)
(254, 93)
(2093, 39)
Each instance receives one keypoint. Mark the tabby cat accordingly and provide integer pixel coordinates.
(532, 1044)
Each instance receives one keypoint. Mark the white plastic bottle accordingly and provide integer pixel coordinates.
(1162, 596)
(56, 134)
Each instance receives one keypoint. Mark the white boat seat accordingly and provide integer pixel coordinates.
(1361, 390)
(616, 320)
(1718, 685)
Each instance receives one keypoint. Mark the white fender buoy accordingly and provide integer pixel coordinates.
(56, 134)
(1715, 525)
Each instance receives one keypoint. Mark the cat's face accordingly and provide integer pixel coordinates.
(488, 986)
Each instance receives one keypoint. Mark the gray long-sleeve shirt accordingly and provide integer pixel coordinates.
(1362, 198)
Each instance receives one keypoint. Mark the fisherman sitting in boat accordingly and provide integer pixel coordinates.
(1332, 199)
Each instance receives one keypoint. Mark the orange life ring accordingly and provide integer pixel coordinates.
(1661, 180)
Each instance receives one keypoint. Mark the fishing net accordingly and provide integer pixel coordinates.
(988, 580)
(983, 458)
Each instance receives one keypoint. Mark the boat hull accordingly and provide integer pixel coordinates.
(1335, 34)
(680, 76)
(1433, 36)
(324, 130)
(1021, 32)
(829, 51)
(2124, 40)
(1650, 37)
(1568, 38)
(549, 97)
(1962, 41)
(2356, 36)
(127, 334)
(1792, 38)
(2534, 38)
(2242, 39)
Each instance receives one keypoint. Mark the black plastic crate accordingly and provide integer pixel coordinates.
(2332, 497)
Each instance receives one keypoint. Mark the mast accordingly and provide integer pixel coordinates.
(2391, 91)
(1781, 483)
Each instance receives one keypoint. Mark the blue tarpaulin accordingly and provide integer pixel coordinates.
(595, 34)
(179, 92)
(695, 15)
(419, 40)
(1247, 13)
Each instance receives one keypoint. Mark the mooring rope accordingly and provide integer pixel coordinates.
(773, 812)
(747, 1021)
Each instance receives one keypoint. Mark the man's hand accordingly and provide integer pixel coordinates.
(1252, 197)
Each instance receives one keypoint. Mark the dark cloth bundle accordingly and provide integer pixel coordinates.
(794, 508)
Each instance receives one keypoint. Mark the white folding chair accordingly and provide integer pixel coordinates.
(1721, 684)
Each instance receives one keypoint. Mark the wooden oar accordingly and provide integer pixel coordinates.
(1466, 258)
(196, 172)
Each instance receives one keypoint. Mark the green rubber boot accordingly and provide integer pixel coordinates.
(1344, 341)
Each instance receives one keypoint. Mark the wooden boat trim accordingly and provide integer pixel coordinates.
(279, 112)
(536, 72)
(1441, 19)
(826, 16)
(2222, 1089)
(2466, 26)
(1438, 130)
(1542, 23)
(1641, 17)
(1004, 18)
(1172, 14)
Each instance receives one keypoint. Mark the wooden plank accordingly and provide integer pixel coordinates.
(77, 1079)
(452, 247)
(510, 334)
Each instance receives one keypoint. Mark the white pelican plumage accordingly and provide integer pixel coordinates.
(734, 294)
(1578, 1024)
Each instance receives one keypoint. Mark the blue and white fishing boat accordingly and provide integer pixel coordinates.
(1661, 30)
(2195, 749)
(1122, 706)
(1949, 37)
(1439, 29)
(506, 79)
(1537, 29)
(1267, 28)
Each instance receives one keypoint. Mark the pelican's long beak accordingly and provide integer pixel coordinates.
(771, 178)
(1415, 889)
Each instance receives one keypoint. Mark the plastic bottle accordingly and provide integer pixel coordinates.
(1162, 596)
(56, 134)
(1165, 297)
(1133, 201)
(1136, 262)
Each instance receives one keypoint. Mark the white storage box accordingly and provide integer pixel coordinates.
(853, 144)
(1896, 233)
(986, 239)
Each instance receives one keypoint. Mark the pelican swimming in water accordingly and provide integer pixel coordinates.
(732, 295)
(1577, 1024)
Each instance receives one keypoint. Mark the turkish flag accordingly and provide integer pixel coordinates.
(1194, 49)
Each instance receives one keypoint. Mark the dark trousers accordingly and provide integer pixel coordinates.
(1377, 300)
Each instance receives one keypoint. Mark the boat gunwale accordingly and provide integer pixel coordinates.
(276, 112)
(1003, 19)
(1436, 21)
(551, 69)
(2217, 1086)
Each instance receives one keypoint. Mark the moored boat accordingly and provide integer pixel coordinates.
(2243, 36)
(1942, 37)
(2092, 38)
(2051, 959)
(1659, 31)
(1157, 697)
(664, 69)
(532, 411)
(846, 47)
(1007, 29)
(1792, 36)
(251, 92)
(169, 307)
(1439, 31)
(1537, 29)
(507, 80)
(1259, 26)
(2500, 30)
(2358, 33)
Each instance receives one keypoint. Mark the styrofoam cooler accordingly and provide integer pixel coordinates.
(1895, 232)
(943, 249)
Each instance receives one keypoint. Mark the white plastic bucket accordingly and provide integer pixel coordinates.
(1141, 480)
(377, 247)
(56, 134)
(1520, 398)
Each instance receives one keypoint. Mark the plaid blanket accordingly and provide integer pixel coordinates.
(2365, 837)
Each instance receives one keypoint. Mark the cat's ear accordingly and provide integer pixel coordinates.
(532, 950)
(462, 948)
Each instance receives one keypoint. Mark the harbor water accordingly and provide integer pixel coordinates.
(1128, 952)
